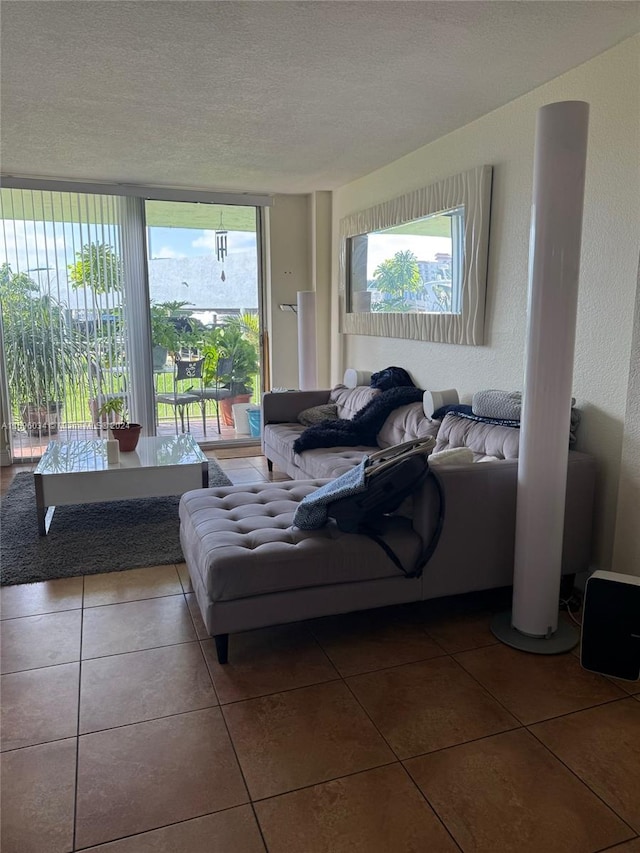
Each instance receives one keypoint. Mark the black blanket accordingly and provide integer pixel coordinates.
(363, 427)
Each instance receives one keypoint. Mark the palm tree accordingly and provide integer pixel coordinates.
(396, 277)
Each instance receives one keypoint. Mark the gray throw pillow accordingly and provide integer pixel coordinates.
(326, 412)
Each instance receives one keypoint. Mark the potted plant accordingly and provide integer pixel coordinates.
(231, 340)
(125, 433)
(171, 331)
(40, 350)
(164, 334)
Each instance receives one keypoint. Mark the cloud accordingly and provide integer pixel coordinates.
(207, 241)
(27, 246)
(167, 252)
(237, 241)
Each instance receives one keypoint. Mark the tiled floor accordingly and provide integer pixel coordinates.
(403, 730)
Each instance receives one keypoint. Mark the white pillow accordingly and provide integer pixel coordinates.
(353, 378)
(451, 456)
(434, 400)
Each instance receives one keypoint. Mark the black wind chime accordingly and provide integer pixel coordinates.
(221, 246)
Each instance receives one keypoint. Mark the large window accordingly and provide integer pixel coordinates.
(87, 292)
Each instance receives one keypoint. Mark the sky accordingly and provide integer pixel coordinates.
(383, 246)
(191, 243)
(44, 250)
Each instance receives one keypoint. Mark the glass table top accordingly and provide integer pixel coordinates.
(91, 455)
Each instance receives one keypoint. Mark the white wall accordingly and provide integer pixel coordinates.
(299, 259)
(289, 272)
(321, 280)
(504, 139)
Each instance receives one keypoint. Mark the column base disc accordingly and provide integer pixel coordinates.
(565, 638)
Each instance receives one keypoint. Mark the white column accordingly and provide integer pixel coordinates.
(307, 367)
(556, 228)
(136, 300)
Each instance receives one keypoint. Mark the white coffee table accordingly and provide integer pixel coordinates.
(77, 472)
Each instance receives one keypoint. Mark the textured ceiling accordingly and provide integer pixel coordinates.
(261, 96)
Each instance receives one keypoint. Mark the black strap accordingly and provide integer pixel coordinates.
(427, 551)
(431, 546)
(388, 551)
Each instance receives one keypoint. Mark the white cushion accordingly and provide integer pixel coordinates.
(434, 400)
(451, 456)
(353, 378)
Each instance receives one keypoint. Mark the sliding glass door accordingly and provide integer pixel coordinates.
(205, 310)
(77, 293)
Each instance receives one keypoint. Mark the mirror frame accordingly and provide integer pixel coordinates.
(471, 189)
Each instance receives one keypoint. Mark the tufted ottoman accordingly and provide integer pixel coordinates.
(250, 568)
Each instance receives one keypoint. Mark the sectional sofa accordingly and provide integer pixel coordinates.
(251, 568)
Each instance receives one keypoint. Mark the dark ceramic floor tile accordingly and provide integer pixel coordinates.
(301, 737)
(269, 660)
(136, 625)
(137, 686)
(508, 793)
(428, 705)
(458, 633)
(626, 847)
(37, 793)
(602, 746)
(468, 604)
(141, 777)
(231, 831)
(374, 639)
(39, 705)
(630, 687)
(379, 811)
(537, 687)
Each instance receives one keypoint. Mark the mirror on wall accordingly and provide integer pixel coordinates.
(415, 266)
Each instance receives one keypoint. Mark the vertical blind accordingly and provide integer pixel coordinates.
(64, 327)
(75, 273)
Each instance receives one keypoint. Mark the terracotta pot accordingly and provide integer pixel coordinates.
(127, 436)
(226, 412)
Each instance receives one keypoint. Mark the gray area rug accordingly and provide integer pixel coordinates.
(90, 538)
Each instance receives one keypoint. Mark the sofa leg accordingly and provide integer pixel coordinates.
(222, 647)
(269, 465)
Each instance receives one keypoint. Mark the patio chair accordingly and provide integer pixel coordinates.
(215, 392)
(181, 398)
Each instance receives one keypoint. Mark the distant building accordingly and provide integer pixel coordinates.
(198, 281)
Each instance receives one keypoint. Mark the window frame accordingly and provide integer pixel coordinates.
(471, 190)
